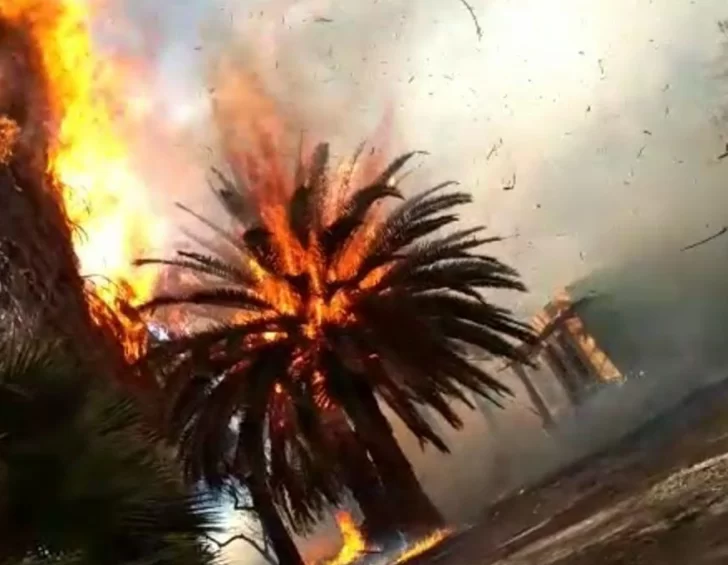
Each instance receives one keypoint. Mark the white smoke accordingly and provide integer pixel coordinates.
(610, 125)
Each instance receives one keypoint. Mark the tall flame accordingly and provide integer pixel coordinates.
(102, 195)
(103, 198)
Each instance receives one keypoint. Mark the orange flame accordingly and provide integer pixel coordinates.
(258, 145)
(353, 543)
(423, 545)
(102, 196)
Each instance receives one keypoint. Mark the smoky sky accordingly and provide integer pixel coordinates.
(606, 117)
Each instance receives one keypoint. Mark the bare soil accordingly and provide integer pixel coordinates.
(659, 497)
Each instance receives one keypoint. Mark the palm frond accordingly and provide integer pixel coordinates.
(84, 474)
(240, 299)
(353, 216)
(308, 200)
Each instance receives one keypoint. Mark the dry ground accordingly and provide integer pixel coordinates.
(660, 497)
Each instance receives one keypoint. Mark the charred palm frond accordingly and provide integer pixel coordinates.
(326, 301)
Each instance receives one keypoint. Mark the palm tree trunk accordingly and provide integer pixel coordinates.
(250, 468)
(362, 479)
(415, 513)
(280, 539)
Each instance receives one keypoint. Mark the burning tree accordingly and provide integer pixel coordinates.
(56, 145)
(328, 306)
(39, 275)
(82, 476)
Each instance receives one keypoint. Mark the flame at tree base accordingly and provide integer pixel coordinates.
(354, 544)
(355, 547)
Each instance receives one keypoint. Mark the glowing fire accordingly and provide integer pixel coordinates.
(102, 196)
(271, 193)
(353, 543)
(423, 545)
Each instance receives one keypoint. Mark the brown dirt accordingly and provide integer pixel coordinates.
(660, 497)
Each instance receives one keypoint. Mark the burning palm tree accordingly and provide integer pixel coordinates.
(329, 304)
(39, 270)
(41, 289)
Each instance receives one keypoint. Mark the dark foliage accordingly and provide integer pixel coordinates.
(82, 479)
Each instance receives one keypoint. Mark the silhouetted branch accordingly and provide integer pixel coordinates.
(262, 545)
(262, 549)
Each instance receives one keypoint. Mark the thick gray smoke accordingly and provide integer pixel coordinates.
(604, 118)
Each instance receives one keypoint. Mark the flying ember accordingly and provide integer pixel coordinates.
(103, 198)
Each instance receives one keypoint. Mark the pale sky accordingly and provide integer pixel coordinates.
(608, 111)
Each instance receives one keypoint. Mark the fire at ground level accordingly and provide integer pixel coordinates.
(355, 549)
(658, 497)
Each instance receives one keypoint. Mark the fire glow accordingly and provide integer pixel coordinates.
(105, 201)
(423, 545)
(353, 545)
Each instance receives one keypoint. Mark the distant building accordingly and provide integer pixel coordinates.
(567, 353)
(660, 316)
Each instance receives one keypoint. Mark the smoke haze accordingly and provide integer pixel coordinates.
(608, 115)
(611, 127)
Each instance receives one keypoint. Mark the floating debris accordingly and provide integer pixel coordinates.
(494, 149)
(720, 232)
(478, 29)
(511, 184)
(725, 154)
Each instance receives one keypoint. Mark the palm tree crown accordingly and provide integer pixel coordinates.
(331, 299)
